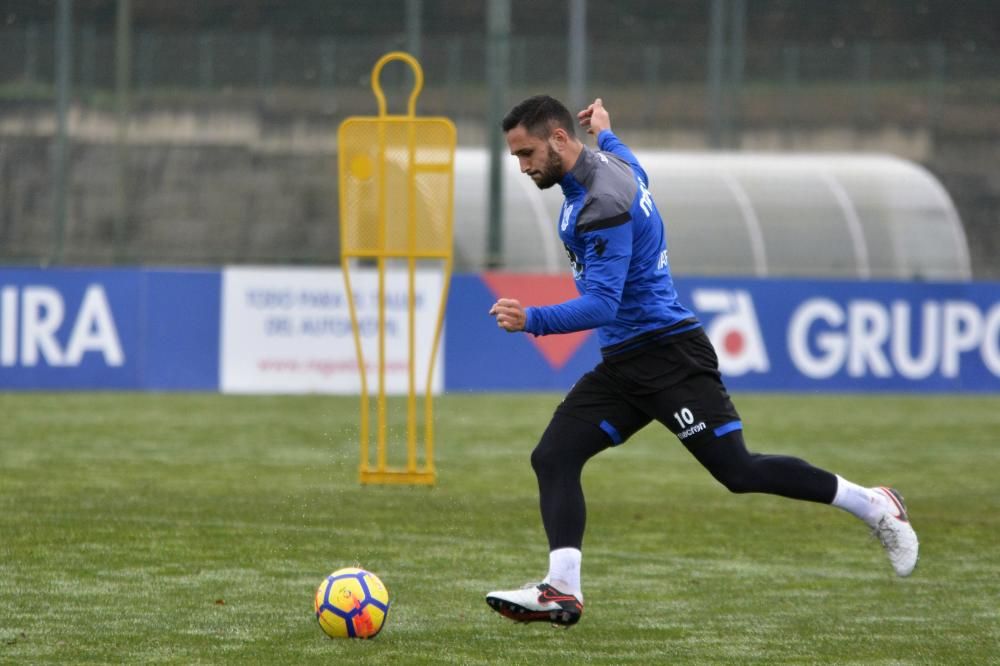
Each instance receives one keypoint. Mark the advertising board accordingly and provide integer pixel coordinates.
(787, 335)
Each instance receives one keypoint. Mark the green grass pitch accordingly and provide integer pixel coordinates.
(193, 529)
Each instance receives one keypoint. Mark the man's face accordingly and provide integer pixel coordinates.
(536, 157)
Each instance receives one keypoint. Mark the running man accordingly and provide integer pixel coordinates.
(657, 362)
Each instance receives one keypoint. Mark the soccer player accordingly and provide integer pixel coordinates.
(657, 362)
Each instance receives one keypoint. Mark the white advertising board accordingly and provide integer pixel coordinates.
(288, 330)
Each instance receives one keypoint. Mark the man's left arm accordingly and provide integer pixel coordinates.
(597, 121)
(609, 142)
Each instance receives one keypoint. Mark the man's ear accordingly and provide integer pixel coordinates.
(558, 139)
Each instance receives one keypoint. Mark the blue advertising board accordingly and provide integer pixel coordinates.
(182, 329)
(787, 335)
(479, 356)
(109, 329)
(143, 329)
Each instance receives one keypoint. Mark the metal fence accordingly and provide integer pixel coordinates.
(295, 91)
(914, 82)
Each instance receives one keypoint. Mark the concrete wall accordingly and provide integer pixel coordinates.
(210, 190)
(241, 187)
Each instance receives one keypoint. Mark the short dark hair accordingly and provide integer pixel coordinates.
(539, 115)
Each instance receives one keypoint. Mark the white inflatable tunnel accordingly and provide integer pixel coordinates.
(744, 214)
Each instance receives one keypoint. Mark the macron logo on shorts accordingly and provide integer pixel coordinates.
(733, 328)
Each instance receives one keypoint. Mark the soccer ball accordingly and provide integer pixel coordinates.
(351, 603)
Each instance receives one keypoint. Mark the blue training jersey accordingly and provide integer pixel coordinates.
(617, 246)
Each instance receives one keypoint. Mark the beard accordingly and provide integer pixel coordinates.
(551, 173)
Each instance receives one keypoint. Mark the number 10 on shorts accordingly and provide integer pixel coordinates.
(684, 418)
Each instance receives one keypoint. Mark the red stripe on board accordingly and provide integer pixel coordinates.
(541, 289)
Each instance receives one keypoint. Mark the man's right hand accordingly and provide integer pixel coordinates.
(509, 314)
(595, 118)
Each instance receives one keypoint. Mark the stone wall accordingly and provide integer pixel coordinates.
(237, 187)
(967, 166)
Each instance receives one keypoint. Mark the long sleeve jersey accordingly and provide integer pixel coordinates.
(616, 244)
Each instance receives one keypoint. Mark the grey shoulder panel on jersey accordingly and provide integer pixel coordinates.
(610, 193)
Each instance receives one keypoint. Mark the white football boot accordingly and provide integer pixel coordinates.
(537, 602)
(893, 529)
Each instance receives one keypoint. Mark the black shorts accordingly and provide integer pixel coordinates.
(675, 382)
